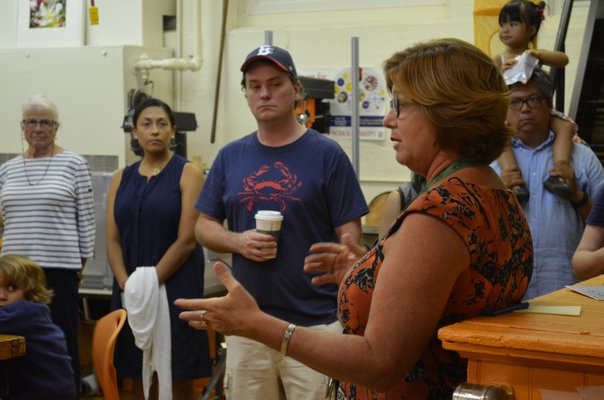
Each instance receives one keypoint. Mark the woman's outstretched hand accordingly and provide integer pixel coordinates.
(332, 260)
(229, 315)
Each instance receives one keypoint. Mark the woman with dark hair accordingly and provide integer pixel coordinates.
(461, 249)
(150, 222)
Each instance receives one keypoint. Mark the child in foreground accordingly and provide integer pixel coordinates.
(44, 372)
(519, 23)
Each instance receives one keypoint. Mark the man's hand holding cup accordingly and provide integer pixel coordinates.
(268, 222)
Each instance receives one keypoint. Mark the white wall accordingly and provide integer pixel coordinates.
(323, 40)
(89, 87)
(90, 83)
(316, 40)
(320, 39)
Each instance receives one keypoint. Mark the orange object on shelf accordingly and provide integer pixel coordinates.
(308, 108)
(535, 353)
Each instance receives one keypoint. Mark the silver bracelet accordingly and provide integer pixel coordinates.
(286, 338)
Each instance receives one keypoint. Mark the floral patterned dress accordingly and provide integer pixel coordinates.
(494, 228)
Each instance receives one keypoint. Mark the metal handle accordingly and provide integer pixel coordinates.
(471, 391)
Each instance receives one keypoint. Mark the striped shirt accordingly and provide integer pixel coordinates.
(48, 209)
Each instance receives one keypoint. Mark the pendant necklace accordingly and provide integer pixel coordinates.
(45, 171)
(157, 170)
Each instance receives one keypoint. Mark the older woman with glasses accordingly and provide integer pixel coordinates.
(461, 249)
(48, 214)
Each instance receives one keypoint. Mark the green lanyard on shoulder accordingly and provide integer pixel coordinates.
(454, 167)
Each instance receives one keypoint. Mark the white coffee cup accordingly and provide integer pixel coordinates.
(268, 222)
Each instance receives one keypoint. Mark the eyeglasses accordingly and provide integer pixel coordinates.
(533, 102)
(44, 123)
(396, 104)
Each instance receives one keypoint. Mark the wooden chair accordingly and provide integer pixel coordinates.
(374, 216)
(103, 346)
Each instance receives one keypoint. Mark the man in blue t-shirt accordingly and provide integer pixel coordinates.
(283, 167)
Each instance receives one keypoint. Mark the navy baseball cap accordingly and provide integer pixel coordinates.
(278, 56)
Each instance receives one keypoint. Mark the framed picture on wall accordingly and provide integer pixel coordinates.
(50, 23)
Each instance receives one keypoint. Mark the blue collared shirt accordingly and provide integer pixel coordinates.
(556, 227)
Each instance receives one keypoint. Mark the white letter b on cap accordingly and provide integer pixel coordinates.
(265, 50)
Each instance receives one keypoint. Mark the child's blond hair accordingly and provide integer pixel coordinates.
(25, 274)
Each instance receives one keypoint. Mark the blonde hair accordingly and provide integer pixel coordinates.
(459, 90)
(25, 274)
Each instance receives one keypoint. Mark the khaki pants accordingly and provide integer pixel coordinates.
(254, 371)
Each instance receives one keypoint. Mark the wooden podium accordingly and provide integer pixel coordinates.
(536, 353)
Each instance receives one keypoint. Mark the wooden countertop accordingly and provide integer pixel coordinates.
(572, 339)
(11, 346)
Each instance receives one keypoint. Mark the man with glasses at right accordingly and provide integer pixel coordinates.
(556, 223)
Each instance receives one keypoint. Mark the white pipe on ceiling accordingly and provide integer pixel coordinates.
(144, 63)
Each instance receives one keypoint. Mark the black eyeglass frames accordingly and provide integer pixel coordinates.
(533, 101)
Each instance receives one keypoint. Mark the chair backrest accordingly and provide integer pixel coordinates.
(376, 207)
(103, 345)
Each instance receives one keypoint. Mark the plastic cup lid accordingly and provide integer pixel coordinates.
(268, 214)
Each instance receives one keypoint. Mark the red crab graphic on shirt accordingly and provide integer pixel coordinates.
(270, 183)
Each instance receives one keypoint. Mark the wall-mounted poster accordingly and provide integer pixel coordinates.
(48, 23)
(373, 103)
